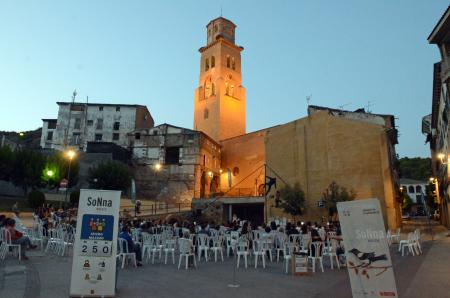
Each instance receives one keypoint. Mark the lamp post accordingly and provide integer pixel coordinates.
(70, 155)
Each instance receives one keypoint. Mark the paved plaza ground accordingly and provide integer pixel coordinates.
(49, 276)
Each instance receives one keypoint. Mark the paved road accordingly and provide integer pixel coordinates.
(49, 276)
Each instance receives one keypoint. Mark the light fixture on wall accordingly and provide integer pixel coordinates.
(210, 174)
(442, 156)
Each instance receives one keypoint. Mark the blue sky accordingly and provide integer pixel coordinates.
(146, 52)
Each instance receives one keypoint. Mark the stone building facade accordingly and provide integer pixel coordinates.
(174, 164)
(438, 132)
(80, 123)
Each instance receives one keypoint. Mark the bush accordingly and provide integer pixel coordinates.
(36, 199)
(74, 198)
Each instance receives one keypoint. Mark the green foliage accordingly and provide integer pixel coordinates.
(110, 175)
(74, 198)
(407, 201)
(336, 193)
(36, 199)
(415, 168)
(60, 164)
(292, 200)
(6, 162)
(27, 168)
(431, 196)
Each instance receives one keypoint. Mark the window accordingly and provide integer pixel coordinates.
(75, 139)
(155, 132)
(213, 89)
(98, 137)
(205, 114)
(115, 136)
(90, 122)
(213, 61)
(100, 123)
(411, 189)
(206, 64)
(227, 89)
(77, 124)
(116, 125)
(172, 155)
(233, 64)
(51, 125)
(231, 91)
(228, 61)
(137, 136)
(49, 135)
(216, 28)
(418, 189)
(100, 108)
(117, 109)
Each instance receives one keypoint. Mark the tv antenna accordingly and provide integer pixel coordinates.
(341, 107)
(369, 105)
(74, 94)
(308, 99)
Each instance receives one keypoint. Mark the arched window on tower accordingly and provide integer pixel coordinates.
(213, 61)
(205, 113)
(206, 64)
(213, 89)
(208, 88)
(231, 91)
(228, 61)
(233, 64)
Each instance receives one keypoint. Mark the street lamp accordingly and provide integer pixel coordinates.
(50, 173)
(70, 155)
(441, 156)
(158, 166)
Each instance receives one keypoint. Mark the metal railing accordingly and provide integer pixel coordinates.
(154, 208)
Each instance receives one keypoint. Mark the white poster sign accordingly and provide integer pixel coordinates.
(368, 259)
(95, 247)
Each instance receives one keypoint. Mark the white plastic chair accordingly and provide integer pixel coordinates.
(280, 245)
(330, 251)
(317, 255)
(186, 251)
(6, 238)
(396, 236)
(217, 247)
(259, 251)
(169, 247)
(289, 249)
(203, 246)
(242, 250)
(125, 254)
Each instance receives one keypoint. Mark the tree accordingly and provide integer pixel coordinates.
(407, 201)
(110, 175)
(6, 163)
(27, 168)
(292, 200)
(58, 163)
(415, 168)
(334, 194)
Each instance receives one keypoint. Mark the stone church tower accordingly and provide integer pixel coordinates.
(219, 101)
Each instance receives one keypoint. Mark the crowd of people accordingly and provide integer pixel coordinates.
(15, 236)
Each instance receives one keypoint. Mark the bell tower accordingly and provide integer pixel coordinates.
(219, 100)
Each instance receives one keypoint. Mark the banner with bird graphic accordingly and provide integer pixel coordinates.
(367, 252)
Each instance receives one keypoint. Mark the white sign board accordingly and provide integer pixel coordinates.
(95, 247)
(368, 259)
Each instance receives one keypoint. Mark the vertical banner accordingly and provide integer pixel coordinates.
(368, 259)
(95, 247)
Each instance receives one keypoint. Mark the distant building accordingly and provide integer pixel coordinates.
(170, 162)
(436, 128)
(80, 123)
(414, 188)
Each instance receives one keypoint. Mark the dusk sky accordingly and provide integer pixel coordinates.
(344, 53)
